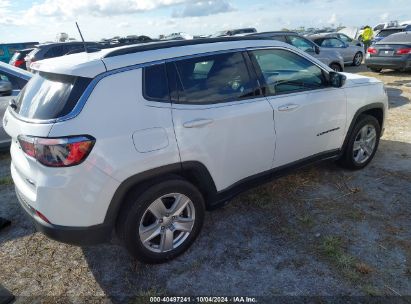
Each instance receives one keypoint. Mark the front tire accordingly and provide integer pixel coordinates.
(336, 67)
(162, 222)
(362, 143)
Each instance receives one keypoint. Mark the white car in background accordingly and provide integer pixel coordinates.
(189, 125)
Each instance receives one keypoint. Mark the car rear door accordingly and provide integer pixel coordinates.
(309, 115)
(221, 119)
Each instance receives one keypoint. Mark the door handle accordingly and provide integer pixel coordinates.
(197, 123)
(288, 107)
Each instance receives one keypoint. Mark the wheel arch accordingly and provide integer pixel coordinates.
(337, 63)
(193, 171)
(374, 109)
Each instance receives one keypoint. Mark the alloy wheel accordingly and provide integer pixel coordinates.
(358, 59)
(167, 222)
(364, 144)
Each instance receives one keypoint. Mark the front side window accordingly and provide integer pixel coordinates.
(49, 96)
(287, 72)
(214, 79)
(155, 86)
(301, 43)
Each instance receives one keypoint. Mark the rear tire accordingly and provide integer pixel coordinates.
(336, 67)
(357, 60)
(150, 223)
(362, 143)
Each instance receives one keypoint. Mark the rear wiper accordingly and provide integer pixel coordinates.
(12, 104)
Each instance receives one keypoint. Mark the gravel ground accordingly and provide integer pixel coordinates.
(322, 231)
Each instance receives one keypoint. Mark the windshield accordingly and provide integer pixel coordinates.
(50, 96)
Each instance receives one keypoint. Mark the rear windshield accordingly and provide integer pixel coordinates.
(49, 96)
(386, 33)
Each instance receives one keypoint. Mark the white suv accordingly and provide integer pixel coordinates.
(143, 139)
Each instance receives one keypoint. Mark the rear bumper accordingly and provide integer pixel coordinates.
(71, 235)
(388, 62)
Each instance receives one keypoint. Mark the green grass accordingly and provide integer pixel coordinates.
(306, 220)
(5, 181)
(332, 248)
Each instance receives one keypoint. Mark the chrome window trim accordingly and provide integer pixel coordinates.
(87, 92)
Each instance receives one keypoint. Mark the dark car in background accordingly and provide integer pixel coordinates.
(18, 58)
(393, 52)
(389, 31)
(331, 58)
(51, 50)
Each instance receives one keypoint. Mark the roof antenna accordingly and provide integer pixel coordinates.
(81, 35)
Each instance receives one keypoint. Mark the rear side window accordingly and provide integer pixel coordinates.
(55, 51)
(214, 79)
(50, 96)
(155, 85)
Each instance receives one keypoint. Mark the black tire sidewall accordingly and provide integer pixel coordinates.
(335, 65)
(138, 204)
(349, 156)
(362, 58)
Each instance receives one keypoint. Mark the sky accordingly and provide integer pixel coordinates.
(41, 20)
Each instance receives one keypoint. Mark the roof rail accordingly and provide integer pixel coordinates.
(174, 43)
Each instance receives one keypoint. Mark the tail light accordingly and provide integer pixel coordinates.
(403, 51)
(18, 63)
(57, 152)
(372, 50)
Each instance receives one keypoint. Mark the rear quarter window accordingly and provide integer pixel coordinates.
(50, 96)
(155, 86)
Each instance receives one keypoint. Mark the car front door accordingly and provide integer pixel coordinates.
(309, 114)
(340, 46)
(221, 118)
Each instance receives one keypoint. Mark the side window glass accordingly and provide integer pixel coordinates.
(54, 52)
(301, 43)
(332, 43)
(155, 85)
(1, 51)
(214, 79)
(287, 72)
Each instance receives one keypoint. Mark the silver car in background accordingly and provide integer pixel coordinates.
(331, 58)
(353, 53)
(12, 82)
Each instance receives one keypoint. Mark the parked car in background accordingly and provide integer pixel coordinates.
(148, 165)
(330, 57)
(18, 58)
(393, 52)
(345, 38)
(178, 36)
(12, 80)
(235, 32)
(389, 31)
(7, 50)
(352, 54)
(55, 49)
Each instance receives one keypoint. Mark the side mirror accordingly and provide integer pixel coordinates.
(337, 80)
(317, 49)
